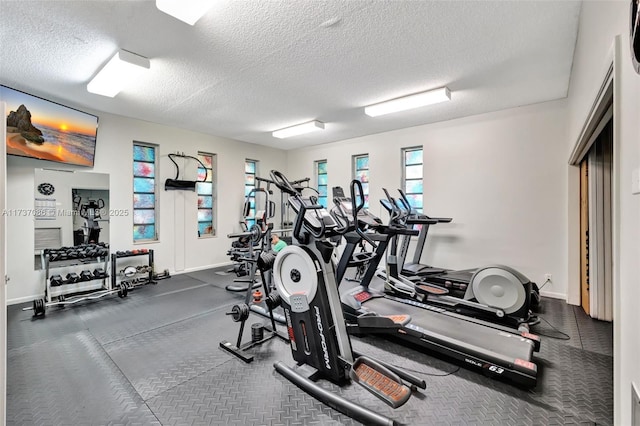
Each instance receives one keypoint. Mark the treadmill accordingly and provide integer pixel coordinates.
(498, 351)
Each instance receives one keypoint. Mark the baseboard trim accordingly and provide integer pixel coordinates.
(553, 295)
(24, 299)
(31, 298)
(200, 268)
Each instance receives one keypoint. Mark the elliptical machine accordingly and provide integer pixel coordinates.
(495, 292)
(317, 331)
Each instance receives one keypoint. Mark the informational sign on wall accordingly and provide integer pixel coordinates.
(45, 209)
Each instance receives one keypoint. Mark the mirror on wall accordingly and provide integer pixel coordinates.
(71, 208)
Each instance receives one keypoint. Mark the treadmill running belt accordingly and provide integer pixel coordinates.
(469, 336)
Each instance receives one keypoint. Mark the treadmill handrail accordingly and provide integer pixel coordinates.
(413, 212)
(417, 220)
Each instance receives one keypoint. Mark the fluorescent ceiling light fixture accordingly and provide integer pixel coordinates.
(122, 69)
(188, 11)
(409, 102)
(299, 129)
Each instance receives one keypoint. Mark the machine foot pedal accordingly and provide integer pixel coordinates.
(399, 319)
(362, 296)
(380, 381)
(371, 322)
(431, 289)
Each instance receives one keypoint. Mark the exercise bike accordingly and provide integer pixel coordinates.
(317, 331)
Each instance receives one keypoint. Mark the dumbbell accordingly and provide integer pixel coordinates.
(56, 280)
(99, 273)
(86, 275)
(72, 277)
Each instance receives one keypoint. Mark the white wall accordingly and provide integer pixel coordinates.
(600, 23)
(3, 294)
(178, 248)
(501, 176)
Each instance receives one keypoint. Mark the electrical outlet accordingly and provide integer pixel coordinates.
(547, 277)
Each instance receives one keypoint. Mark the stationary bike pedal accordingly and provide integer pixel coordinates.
(380, 381)
(427, 289)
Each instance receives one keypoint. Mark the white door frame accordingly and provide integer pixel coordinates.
(591, 128)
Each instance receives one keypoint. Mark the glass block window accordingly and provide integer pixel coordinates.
(206, 222)
(250, 172)
(145, 226)
(412, 176)
(361, 173)
(321, 181)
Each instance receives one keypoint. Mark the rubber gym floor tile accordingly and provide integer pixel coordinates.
(167, 356)
(212, 276)
(236, 393)
(459, 396)
(577, 382)
(176, 282)
(138, 417)
(220, 278)
(595, 335)
(27, 329)
(153, 359)
(557, 322)
(149, 313)
(71, 381)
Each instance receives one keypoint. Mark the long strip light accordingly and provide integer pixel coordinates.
(122, 69)
(409, 102)
(188, 11)
(299, 129)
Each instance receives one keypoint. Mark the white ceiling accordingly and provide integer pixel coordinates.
(250, 67)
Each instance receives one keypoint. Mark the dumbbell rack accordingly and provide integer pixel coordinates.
(68, 293)
(131, 282)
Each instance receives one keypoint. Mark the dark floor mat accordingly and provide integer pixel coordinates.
(596, 336)
(26, 329)
(165, 357)
(113, 322)
(69, 381)
(153, 358)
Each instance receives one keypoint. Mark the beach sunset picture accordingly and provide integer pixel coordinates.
(46, 130)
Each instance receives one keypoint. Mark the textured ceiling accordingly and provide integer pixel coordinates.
(250, 67)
